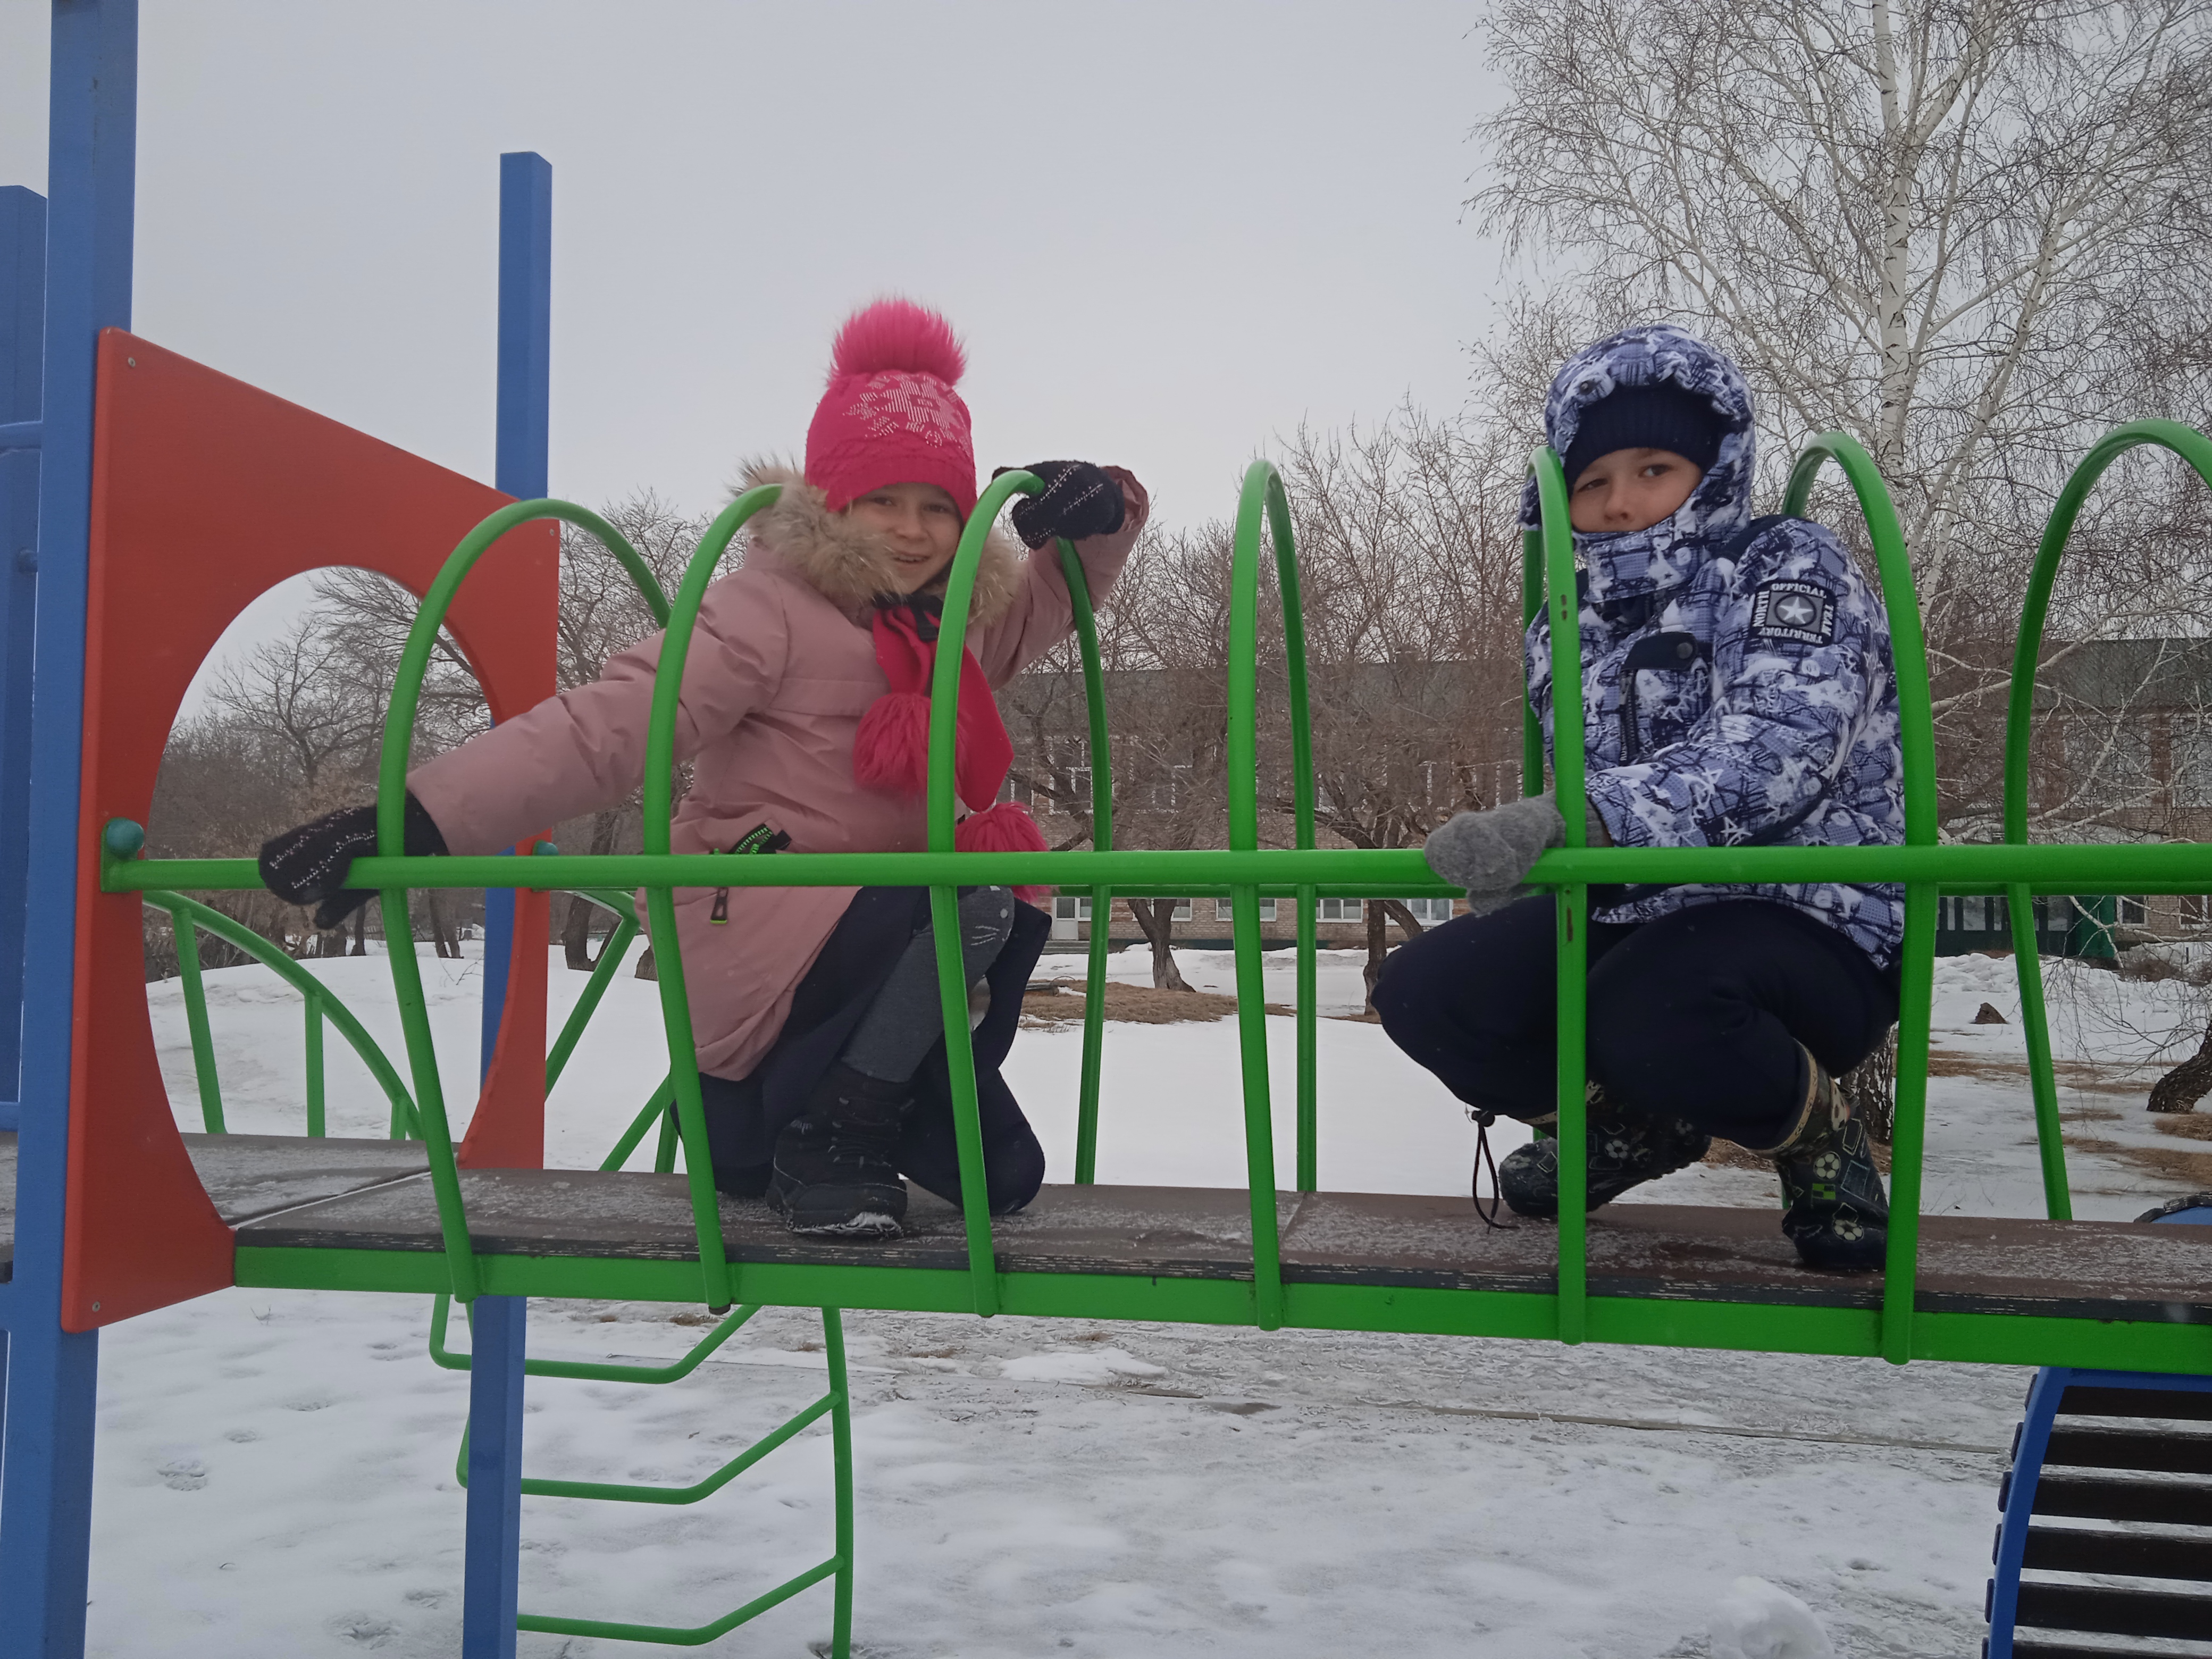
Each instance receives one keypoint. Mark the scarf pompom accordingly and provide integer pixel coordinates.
(1005, 828)
(890, 752)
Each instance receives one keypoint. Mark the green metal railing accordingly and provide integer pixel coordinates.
(1263, 507)
(2035, 1025)
(836, 1404)
(1916, 960)
(391, 839)
(655, 1109)
(188, 918)
(1245, 872)
(626, 930)
(1102, 898)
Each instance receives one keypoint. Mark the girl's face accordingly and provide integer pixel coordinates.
(1630, 490)
(919, 523)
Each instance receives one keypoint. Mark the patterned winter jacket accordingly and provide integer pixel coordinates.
(1737, 683)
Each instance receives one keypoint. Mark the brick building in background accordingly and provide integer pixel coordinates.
(2122, 746)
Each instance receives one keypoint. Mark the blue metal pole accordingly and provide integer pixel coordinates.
(497, 1325)
(519, 464)
(45, 1468)
(498, 1322)
(23, 324)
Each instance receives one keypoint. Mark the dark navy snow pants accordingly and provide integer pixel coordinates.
(1697, 1015)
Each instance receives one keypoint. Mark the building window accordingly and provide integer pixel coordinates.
(1972, 913)
(1066, 907)
(1180, 913)
(1428, 910)
(1343, 910)
(1225, 910)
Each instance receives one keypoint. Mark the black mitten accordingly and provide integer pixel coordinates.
(309, 865)
(1079, 500)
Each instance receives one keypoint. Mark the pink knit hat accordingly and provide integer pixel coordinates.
(891, 415)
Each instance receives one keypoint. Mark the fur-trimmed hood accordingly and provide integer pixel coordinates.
(846, 565)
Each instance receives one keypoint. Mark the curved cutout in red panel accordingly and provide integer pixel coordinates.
(207, 492)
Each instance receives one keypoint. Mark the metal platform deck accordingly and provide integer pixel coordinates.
(249, 1177)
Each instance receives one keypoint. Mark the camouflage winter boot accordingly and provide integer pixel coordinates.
(1626, 1149)
(1834, 1209)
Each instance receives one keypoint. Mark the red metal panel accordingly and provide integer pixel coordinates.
(206, 493)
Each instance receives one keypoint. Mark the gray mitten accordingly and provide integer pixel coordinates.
(1489, 852)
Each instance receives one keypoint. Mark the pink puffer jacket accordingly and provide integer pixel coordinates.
(781, 669)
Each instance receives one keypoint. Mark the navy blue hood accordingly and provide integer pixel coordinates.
(1666, 556)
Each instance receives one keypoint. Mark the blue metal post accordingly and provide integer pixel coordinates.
(520, 463)
(498, 1322)
(45, 1468)
(23, 324)
(488, 1600)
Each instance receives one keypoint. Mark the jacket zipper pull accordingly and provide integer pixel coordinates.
(758, 838)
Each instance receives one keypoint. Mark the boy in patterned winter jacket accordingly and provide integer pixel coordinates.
(1737, 690)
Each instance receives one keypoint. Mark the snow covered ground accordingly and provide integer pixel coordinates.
(275, 1471)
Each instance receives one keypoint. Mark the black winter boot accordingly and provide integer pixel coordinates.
(1626, 1149)
(836, 1173)
(1834, 1210)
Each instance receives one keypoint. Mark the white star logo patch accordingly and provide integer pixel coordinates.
(1800, 612)
(1795, 610)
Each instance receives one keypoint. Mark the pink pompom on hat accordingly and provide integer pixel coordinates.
(891, 415)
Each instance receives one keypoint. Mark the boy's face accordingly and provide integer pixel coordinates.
(1630, 490)
(919, 523)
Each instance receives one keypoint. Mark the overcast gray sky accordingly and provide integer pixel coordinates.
(1167, 232)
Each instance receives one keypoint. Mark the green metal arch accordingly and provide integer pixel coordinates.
(191, 913)
(2192, 447)
(391, 840)
(660, 902)
(1908, 656)
(1916, 954)
(1263, 507)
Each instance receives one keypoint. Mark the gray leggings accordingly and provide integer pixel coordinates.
(907, 1018)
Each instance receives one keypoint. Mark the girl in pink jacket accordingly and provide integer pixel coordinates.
(804, 703)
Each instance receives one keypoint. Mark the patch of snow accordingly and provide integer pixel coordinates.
(276, 1473)
(1759, 1621)
(1092, 1365)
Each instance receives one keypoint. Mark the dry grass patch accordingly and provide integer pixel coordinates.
(2190, 1126)
(2081, 1075)
(1049, 1006)
(2186, 1166)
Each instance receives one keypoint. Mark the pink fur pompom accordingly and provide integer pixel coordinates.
(1005, 828)
(890, 752)
(897, 334)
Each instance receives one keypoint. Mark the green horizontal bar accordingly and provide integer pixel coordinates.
(675, 1635)
(622, 1493)
(616, 1492)
(2178, 866)
(1979, 1338)
(593, 1370)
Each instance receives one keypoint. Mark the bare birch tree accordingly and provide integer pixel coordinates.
(1971, 233)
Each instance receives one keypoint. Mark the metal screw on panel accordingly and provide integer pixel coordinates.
(133, 361)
